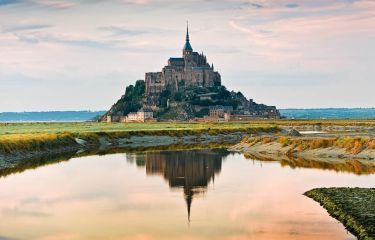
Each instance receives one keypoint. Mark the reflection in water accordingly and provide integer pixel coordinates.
(21, 165)
(190, 170)
(107, 197)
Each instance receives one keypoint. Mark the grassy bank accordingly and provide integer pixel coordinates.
(43, 136)
(353, 145)
(354, 207)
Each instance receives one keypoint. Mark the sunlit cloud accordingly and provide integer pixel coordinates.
(257, 45)
(122, 30)
(137, 2)
(57, 4)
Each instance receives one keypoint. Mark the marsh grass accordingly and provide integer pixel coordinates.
(42, 136)
(353, 145)
(322, 122)
(10, 143)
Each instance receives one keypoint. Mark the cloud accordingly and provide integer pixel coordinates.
(292, 5)
(24, 212)
(101, 39)
(27, 38)
(56, 4)
(65, 39)
(254, 5)
(136, 2)
(25, 27)
(119, 30)
(8, 2)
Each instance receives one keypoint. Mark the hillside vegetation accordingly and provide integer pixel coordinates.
(131, 101)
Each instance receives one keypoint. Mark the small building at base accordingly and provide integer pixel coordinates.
(142, 115)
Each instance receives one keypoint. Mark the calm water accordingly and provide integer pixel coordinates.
(205, 194)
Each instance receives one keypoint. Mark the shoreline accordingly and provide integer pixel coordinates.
(56, 157)
(314, 147)
(42, 146)
(21, 141)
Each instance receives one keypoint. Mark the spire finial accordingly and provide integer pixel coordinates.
(187, 31)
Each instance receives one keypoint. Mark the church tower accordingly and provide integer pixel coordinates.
(188, 50)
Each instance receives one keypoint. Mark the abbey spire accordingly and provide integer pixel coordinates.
(187, 32)
(188, 50)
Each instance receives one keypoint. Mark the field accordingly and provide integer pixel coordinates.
(91, 127)
(87, 127)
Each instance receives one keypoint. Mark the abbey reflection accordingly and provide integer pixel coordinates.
(190, 170)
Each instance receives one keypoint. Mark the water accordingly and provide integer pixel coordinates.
(193, 194)
(78, 116)
(329, 113)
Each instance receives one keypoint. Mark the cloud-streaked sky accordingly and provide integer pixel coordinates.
(81, 54)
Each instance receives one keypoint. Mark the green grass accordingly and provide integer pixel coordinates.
(322, 122)
(31, 128)
(354, 207)
(43, 136)
(353, 145)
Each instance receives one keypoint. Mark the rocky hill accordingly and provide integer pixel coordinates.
(191, 102)
(187, 87)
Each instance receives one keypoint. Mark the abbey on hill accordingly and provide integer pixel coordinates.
(190, 70)
(187, 88)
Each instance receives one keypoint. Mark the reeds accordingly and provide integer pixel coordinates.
(353, 145)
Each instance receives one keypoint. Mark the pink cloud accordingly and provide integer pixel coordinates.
(59, 4)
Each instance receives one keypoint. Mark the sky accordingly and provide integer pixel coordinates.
(81, 54)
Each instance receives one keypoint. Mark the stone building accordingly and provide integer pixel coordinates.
(142, 115)
(192, 69)
(219, 111)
